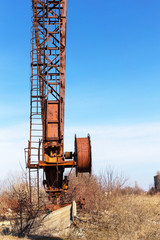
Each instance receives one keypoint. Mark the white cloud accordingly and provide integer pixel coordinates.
(133, 150)
(136, 143)
(111, 145)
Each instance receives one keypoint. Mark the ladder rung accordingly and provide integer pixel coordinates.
(34, 113)
(35, 155)
(35, 136)
(37, 96)
(36, 118)
(38, 130)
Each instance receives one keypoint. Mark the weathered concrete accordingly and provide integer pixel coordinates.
(58, 222)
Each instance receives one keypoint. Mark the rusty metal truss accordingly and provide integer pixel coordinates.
(48, 61)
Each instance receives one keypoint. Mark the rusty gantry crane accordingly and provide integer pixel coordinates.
(48, 61)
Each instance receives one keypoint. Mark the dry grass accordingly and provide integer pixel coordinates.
(134, 217)
(113, 211)
(126, 217)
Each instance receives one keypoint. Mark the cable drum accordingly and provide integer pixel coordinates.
(83, 156)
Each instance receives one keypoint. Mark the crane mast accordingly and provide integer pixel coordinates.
(48, 63)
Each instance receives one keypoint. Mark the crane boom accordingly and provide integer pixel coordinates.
(48, 63)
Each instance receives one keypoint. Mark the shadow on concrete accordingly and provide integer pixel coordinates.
(37, 237)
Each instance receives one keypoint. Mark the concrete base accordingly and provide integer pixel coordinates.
(57, 223)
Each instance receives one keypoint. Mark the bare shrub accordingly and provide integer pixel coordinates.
(152, 191)
(136, 190)
(16, 198)
(95, 189)
(111, 181)
(89, 188)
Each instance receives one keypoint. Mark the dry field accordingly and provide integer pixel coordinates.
(113, 210)
(128, 217)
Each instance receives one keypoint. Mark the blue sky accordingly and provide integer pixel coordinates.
(112, 82)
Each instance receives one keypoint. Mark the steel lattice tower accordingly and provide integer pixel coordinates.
(48, 62)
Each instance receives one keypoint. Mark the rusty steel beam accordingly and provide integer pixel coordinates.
(42, 164)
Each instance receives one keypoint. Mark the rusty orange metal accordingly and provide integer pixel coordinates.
(83, 155)
(48, 64)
